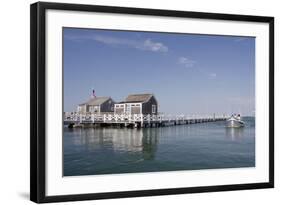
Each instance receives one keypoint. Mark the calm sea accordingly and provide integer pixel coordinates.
(185, 147)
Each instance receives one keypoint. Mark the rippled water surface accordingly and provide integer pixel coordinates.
(209, 145)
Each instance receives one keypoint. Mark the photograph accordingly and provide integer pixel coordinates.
(143, 101)
(134, 102)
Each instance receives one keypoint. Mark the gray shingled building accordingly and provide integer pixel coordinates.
(137, 104)
(97, 105)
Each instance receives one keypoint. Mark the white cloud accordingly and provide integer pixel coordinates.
(147, 44)
(186, 62)
(154, 46)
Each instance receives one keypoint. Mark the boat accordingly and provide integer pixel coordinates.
(234, 122)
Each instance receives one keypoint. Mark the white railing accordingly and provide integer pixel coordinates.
(115, 118)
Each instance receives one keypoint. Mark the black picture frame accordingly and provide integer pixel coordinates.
(38, 101)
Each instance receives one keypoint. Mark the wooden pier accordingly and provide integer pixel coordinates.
(74, 119)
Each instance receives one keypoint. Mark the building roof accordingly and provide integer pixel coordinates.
(96, 101)
(135, 98)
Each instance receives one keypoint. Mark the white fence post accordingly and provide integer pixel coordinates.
(80, 118)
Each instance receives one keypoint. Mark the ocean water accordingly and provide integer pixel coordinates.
(211, 145)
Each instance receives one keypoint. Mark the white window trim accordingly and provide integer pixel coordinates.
(95, 109)
(153, 109)
(117, 106)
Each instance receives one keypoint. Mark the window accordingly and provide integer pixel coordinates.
(91, 108)
(153, 108)
(96, 108)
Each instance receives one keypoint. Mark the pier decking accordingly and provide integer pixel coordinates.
(135, 120)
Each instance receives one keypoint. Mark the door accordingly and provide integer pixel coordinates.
(128, 109)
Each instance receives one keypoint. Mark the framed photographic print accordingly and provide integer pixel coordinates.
(129, 102)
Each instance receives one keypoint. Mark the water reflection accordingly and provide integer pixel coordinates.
(234, 133)
(149, 143)
(188, 147)
(120, 140)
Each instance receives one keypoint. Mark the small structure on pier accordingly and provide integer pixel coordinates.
(137, 110)
(97, 105)
(137, 104)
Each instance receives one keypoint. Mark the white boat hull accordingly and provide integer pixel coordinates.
(234, 123)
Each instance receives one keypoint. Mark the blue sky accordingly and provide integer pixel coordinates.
(187, 73)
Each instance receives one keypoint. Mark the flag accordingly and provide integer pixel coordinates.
(94, 94)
